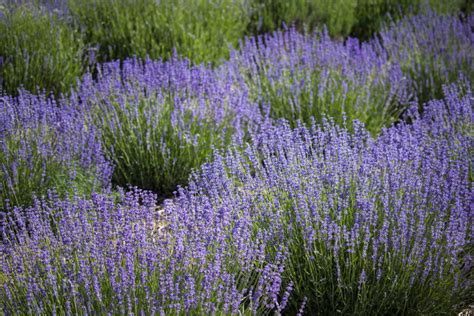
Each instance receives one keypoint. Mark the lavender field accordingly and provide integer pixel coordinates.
(306, 173)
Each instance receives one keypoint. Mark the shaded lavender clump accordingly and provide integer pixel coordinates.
(308, 218)
(47, 144)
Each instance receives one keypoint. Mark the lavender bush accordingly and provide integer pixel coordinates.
(369, 226)
(159, 120)
(100, 257)
(301, 77)
(432, 49)
(45, 145)
(311, 219)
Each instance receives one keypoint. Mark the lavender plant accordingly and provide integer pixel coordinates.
(159, 120)
(301, 77)
(432, 49)
(311, 219)
(47, 145)
(101, 256)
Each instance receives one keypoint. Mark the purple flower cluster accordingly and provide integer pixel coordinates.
(45, 145)
(315, 213)
(199, 91)
(158, 120)
(432, 49)
(311, 75)
(302, 76)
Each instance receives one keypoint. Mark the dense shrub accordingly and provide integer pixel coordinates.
(159, 120)
(356, 215)
(371, 15)
(299, 76)
(432, 49)
(358, 18)
(270, 15)
(45, 145)
(304, 77)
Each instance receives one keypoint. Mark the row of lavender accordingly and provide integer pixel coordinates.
(325, 216)
(312, 219)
